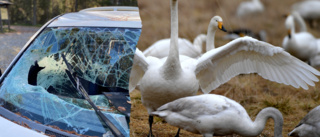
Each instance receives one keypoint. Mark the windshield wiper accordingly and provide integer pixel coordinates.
(77, 84)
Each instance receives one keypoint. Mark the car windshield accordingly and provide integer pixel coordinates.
(39, 88)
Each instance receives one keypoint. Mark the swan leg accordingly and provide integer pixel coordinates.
(177, 135)
(150, 126)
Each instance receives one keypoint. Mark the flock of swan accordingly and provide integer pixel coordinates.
(170, 73)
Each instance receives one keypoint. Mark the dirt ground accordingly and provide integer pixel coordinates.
(251, 91)
(11, 43)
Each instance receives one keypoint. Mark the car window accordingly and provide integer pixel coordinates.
(39, 88)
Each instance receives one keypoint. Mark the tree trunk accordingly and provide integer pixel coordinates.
(0, 21)
(34, 22)
(76, 6)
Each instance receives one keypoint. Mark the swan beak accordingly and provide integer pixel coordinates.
(242, 34)
(285, 16)
(220, 26)
(289, 34)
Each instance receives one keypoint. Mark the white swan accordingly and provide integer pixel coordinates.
(248, 8)
(301, 45)
(167, 79)
(198, 42)
(161, 48)
(314, 59)
(217, 115)
(237, 33)
(308, 9)
(309, 126)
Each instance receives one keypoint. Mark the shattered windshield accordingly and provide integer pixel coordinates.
(39, 88)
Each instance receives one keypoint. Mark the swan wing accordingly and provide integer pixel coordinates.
(247, 55)
(140, 65)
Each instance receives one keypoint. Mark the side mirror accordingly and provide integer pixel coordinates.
(0, 73)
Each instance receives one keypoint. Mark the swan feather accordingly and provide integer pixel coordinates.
(247, 55)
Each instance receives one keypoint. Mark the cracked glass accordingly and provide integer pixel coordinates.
(39, 88)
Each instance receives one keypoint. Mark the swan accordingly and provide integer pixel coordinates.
(161, 48)
(308, 9)
(262, 35)
(210, 114)
(176, 76)
(301, 45)
(315, 60)
(198, 42)
(248, 8)
(309, 126)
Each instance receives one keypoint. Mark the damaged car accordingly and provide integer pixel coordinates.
(72, 77)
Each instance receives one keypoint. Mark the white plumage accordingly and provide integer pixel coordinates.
(302, 45)
(249, 8)
(315, 61)
(167, 79)
(308, 9)
(160, 49)
(301, 24)
(211, 114)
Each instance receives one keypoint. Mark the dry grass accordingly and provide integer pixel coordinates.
(251, 91)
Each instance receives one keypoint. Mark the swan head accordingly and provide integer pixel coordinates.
(303, 130)
(218, 22)
(289, 25)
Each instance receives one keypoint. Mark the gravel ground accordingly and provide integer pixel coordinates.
(12, 43)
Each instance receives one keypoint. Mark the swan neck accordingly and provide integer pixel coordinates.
(299, 20)
(290, 25)
(210, 37)
(262, 118)
(172, 65)
(293, 30)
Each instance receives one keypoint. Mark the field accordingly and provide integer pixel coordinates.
(251, 91)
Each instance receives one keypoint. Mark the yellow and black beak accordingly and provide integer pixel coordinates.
(289, 34)
(220, 26)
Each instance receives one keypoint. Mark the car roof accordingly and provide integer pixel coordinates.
(116, 16)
